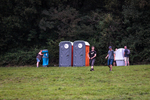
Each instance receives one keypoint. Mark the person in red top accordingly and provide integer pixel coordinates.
(38, 58)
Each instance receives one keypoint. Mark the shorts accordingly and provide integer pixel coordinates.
(126, 59)
(92, 61)
(37, 59)
(110, 62)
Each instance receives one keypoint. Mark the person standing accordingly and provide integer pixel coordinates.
(92, 55)
(126, 56)
(114, 63)
(111, 57)
(38, 58)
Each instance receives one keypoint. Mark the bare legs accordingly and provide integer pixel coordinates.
(110, 63)
(37, 64)
(114, 63)
(110, 67)
(127, 63)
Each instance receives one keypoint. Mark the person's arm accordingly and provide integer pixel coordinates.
(114, 56)
(124, 52)
(93, 56)
(88, 55)
(107, 56)
(40, 53)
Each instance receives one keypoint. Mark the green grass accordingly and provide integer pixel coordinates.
(75, 83)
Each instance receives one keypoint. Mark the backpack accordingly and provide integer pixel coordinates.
(128, 51)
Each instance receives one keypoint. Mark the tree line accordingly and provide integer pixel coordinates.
(26, 26)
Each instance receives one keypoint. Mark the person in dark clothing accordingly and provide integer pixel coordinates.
(92, 55)
(38, 58)
(126, 56)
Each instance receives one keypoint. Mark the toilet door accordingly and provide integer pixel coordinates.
(65, 54)
(79, 54)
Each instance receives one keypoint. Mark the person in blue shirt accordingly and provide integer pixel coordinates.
(111, 57)
(126, 56)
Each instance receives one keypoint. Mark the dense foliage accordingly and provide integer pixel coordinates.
(27, 26)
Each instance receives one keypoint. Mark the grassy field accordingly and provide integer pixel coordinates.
(75, 83)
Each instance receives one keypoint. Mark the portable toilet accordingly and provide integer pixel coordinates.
(80, 53)
(119, 57)
(65, 54)
(45, 58)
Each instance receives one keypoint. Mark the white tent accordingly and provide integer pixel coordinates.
(119, 57)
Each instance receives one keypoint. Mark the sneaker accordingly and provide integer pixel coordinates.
(92, 69)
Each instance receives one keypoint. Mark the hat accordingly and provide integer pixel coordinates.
(110, 47)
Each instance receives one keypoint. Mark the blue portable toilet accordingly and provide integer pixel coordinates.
(65, 54)
(119, 57)
(80, 53)
(45, 58)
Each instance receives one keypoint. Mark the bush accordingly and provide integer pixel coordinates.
(19, 57)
